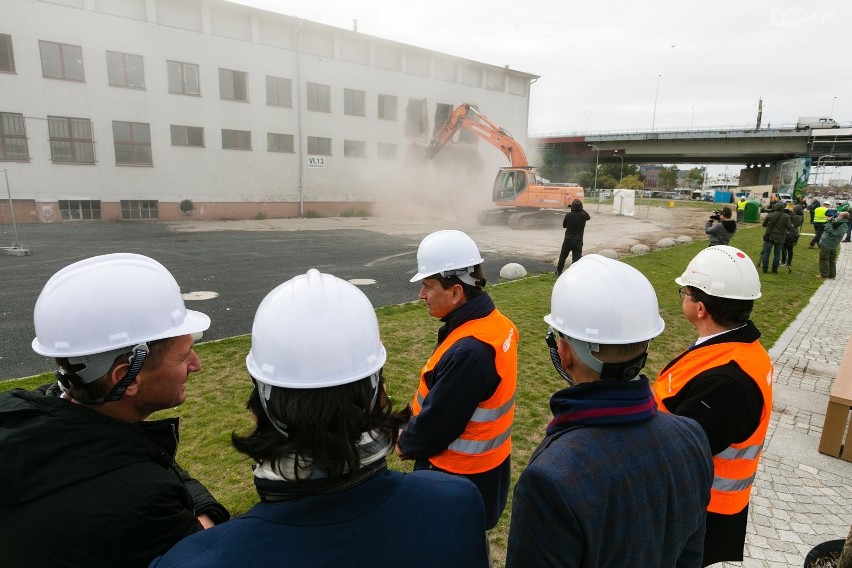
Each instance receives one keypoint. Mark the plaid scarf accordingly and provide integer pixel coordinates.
(602, 403)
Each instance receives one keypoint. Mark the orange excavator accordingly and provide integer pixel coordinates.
(523, 198)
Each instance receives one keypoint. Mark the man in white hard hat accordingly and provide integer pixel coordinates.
(610, 463)
(724, 382)
(323, 426)
(86, 480)
(464, 406)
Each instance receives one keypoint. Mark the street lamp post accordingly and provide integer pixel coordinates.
(621, 173)
(654, 119)
(831, 114)
(595, 189)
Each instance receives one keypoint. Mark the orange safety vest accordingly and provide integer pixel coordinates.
(487, 438)
(734, 467)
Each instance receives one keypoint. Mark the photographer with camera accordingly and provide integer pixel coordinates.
(721, 227)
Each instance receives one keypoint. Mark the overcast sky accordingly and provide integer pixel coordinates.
(601, 62)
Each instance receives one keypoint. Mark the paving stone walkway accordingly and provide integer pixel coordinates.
(802, 497)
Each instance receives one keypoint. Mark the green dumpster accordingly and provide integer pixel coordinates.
(752, 212)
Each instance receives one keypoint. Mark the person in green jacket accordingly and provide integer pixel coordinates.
(834, 230)
(776, 223)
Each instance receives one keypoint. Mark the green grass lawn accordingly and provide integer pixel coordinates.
(217, 394)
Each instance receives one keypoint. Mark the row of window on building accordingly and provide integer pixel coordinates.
(71, 141)
(90, 209)
(65, 61)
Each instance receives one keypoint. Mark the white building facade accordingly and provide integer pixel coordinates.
(203, 109)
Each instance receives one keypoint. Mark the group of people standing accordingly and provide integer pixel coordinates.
(783, 227)
(628, 473)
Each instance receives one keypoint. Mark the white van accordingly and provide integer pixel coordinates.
(806, 122)
(785, 198)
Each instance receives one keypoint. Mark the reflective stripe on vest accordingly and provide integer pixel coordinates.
(486, 441)
(734, 468)
(819, 215)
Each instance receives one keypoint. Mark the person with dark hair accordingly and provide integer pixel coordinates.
(87, 479)
(323, 426)
(721, 227)
(776, 223)
(465, 404)
(832, 234)
(609, 462)
(818, 220)
(792, 238)
(723, 381)
(574, 224)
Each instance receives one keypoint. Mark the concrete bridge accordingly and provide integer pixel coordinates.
(754, 147)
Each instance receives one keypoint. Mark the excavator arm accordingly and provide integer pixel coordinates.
(465, 116)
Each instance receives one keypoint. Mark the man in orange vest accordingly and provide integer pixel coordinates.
(724, 382)
(465, 404)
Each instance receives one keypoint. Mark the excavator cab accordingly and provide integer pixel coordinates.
(508, 184)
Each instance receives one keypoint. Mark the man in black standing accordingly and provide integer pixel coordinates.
(574, 224)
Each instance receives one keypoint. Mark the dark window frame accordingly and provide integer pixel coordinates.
(135, 145)
(74, 145)
(139, 209)
(316, 92)
(7, 49)
(235, 138)
(63, 50)
(176, 133)
(80, 209)
(235, 92)
(274, 86)
(282, 143)
(354, 102)
(16, 138)
(125, 68)
(388, 107)
(181, 68)
(316, 143)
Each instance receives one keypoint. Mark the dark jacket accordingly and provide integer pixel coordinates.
(465, 376)
(574, 222)
(580, 500)
(833, 233)
(721, 232)
(381, 522)
(81, 489)
(777, 222)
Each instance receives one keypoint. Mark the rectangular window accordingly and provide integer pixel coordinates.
(387, 107)
(387, 151)
(61, 61)
(183, 78)
(139, 209)
(415, 117)
(187, 136)
(354, 149)
(278, 91)
(354, 102)
(279, 142)
(132, 143)
(236, 139)
(318, 145)
(442, 113)
(71, 140)
(233, 85)
(79, 209)
(125, 70)
(13, 137)
(319, 97)
(7, 56)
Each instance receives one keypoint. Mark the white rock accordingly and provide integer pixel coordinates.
(684, 239)
(513, 271)
(666, 243)
(609, 253)
(640, 249)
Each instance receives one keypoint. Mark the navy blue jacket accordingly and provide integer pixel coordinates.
(618, 495)
(465, 376)
(393, 519)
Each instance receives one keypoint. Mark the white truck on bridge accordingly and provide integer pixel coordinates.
(806, 122)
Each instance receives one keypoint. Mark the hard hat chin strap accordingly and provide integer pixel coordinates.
(80, 378)
(463, 274)
(626, 370)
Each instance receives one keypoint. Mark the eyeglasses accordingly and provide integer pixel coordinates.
(684, 292)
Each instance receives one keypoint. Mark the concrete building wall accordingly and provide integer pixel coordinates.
(214, 35)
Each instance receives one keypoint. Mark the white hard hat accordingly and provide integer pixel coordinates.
(722, 271)
(315, 331)
(601, 300)
(109, 302)
(447, 253)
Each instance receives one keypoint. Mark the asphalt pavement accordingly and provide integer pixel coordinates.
(241, 267)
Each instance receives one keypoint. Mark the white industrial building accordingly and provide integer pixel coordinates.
(160, 109)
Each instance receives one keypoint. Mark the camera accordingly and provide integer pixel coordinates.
(716, 216)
